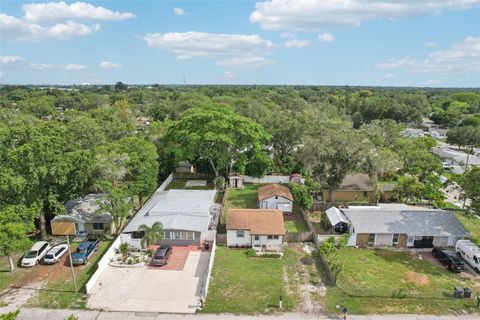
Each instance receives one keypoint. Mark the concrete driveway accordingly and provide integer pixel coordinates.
(152, 289)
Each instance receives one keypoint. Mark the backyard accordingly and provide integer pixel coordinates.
(472, 223)
(382, 281)
(183, 184)
(243, 284)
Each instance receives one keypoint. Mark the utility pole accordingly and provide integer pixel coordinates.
(71, 264)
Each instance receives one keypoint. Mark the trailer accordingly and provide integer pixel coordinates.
(469, 252)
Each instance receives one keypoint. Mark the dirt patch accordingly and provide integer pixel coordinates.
(16, 297)
(292, 217)
(295, 247)
(417, 278)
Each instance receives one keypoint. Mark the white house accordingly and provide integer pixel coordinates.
(397, 225)
(260, 229)
(275, 196)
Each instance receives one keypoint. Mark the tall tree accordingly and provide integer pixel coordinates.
(116, 203)
(470, 184)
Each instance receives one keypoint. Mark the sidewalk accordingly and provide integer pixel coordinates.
(49, 314)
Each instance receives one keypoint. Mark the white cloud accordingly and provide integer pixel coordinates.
(72, 67)
(461, 58)
(326, 37)
(11, 60)
(288, 35)
(297, 43)
(318, 14)
(56, 20)
(389, 75)
(229, 75)
(179, 11)
(109, 65)
(21, 62)
(249, 62)
(227, 49)
(57, 11)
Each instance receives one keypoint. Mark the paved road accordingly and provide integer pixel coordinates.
(46, 314)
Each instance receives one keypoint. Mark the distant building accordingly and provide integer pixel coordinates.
(455, 160)
(413, 133)
(438, 133)
(184, 166)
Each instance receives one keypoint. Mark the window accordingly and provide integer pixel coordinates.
(181, 235)
(371, 238)
(475, 259)
(275, 237)
(138, 234)
(257, 238)
(177, 235)
(365, 194)
(276, 197)
(190, 235)
(98, 226)
(167, 235)
(395, 238)
(240, 234)
(269, 237)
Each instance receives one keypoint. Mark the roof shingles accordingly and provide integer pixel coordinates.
(257, 221)
(274, 189)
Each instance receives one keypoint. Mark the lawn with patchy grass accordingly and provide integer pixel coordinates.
(246, 197)
(61, 294)
(472, 224)
(242, 284)
(382, 281)
(7, 277)
(296, 226)
(182, 184)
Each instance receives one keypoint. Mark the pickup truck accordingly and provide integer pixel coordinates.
(84, 251)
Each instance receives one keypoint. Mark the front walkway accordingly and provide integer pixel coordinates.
(48, 314)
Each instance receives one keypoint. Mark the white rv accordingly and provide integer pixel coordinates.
(469, 252)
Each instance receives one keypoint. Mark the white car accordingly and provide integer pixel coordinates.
(469, 252)
(55, 253)
(38, 251)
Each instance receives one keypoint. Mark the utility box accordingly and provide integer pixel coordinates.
(458, 293)
(467, 293)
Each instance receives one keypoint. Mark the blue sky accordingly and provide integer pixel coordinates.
(328, 42)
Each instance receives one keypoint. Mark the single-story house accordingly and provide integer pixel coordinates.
(455, 158)
(275, 196)
(438, 133)
(398, 225)
(354, 187)
(185, 216)
(413, 132)
(257, 228)
(83, 217)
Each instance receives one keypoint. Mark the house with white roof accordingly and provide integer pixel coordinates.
(185, 215)
(398, 225)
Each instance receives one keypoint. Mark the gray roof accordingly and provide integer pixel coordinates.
(176, 210)
(401, 218)
(457, 156)
(85, 210)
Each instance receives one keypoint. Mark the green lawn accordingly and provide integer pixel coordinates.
(472, 224)
(242, 284)
(296, 226)
(370, 277)
(6, 278)
(241, 198)
(182, 184)
(61, 293)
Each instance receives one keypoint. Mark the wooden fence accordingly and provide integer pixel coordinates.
(298, 236)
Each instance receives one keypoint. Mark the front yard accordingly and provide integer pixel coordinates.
(472, 224)
(60, 294)
(382, 281)
(242, 284)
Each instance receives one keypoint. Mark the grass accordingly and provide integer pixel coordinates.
(370, 277)
(61, 294)
(7, 278)
(472, 224)
(247, 197)
(242, 284)
(296, 226)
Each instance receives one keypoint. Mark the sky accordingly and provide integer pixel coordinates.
(423, 43)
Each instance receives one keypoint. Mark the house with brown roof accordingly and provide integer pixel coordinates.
(275, 196)
(260, 229)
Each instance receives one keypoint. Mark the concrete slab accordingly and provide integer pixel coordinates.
(152, 289)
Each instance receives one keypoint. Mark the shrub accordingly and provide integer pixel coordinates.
(10, 315)
(328, 247)
(251, 253)
(302, 195)
(342, 243)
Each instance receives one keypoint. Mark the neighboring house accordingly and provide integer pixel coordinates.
(260, 229)
(413, 133)
(83, 217)
(438, 133)
(455, 160)
(356, 187)
(275, 196)
(184, 166)
(398, 225)
(185, 216)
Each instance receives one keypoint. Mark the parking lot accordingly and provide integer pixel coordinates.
(171, 288)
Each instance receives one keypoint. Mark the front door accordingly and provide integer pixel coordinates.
(256, 241)
(264, 204)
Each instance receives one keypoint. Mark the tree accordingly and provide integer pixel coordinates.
(117, 203)
(301, 195)
(416, 156)
(408, 189)
(259, 164)
(120, 86)
(470, 184)
(466, 136)
(152, 234)
(432, 190)
(215, 133)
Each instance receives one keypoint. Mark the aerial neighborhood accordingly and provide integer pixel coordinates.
(240, 160)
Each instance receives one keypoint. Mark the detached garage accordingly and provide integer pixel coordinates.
(275, 196)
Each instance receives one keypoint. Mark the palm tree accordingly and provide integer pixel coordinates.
(152, 234)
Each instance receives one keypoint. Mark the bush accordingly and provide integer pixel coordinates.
(10, 315)
(251, 253)
(342, 243)
(302, 195)
(72, 317)
(328, 247)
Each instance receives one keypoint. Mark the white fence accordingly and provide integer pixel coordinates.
(102, 264)
(267, 179)
(210, 266)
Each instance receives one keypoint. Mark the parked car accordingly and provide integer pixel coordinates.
(84, 251)
(161, 256)
(36, 253)
(469, 252)
(55, 253)
(449, 259)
